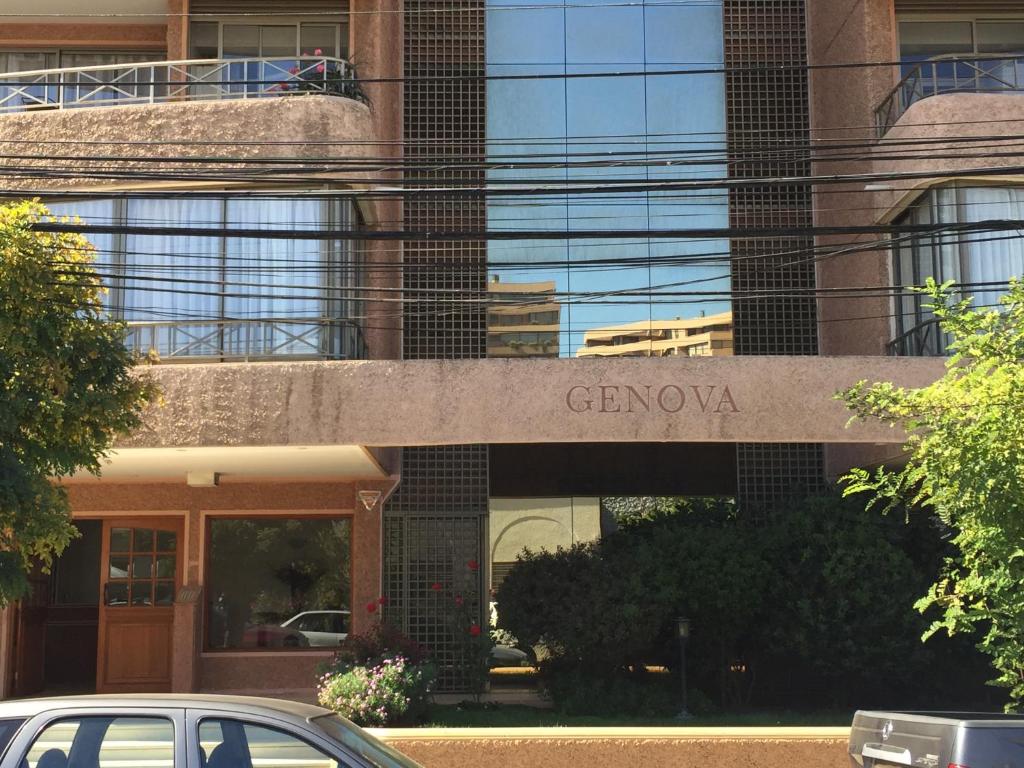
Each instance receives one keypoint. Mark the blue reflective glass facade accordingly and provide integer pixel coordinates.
(569, 129)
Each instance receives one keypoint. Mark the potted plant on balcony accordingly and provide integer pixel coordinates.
(327, 76)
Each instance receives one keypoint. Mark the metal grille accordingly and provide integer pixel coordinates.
(445, 97)
(434, 526)
(769, 106)
(767, 102)
(774, 472)
(436, 521)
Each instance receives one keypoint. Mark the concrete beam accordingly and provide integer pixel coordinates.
(391, 403)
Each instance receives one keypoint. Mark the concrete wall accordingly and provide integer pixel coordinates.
(727, 399)
(623, 747)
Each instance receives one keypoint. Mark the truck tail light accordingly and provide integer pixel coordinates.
(956, 765)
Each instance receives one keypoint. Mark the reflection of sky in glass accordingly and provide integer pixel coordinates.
(600, 119)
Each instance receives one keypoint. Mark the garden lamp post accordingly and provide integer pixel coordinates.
(683, 635)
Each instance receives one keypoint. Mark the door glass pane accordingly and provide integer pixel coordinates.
(118, 567)
(143, 539)
(166, 541)
(321, 37)
(202, 40)
(165, 567)
(120, 539)
(241, 41)
(277, 41)
(117, 594)
(142, 593)
(127, 742)
(164, 592)
(142, 566)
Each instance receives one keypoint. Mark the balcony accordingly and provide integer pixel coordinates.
(925, 339)
(951, 74)
(160, 82)
(205, 341)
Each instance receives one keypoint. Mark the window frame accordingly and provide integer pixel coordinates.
(207, 532)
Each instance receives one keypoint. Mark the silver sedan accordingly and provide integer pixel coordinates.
(183, 731)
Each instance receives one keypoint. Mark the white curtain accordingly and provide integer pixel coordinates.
(277, 279)
(993, 257)
(175, 277)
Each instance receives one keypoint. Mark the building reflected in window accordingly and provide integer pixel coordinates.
(523, 319)
(704, 336)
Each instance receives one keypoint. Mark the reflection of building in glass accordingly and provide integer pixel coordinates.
(522, 319)
(693, 337)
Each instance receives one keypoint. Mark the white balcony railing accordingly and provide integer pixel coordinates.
(172, 81)
(242, 340)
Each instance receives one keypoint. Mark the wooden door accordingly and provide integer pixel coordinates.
(30, 635)
(140, 572)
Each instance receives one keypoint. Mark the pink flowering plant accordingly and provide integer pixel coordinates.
(390, 692)
(325, 76)
(377, 677)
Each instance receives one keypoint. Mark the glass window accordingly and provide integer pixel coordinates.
(262, 573)
(141, 567)
(203, 39)
(230, 297)
(980, 262)
(920, 40)
(128, 742)
(228, 40)
(1000, 36)
(232, 744)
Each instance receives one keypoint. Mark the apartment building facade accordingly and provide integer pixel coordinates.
(345, 412)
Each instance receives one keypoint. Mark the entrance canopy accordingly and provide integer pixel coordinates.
(438, 402)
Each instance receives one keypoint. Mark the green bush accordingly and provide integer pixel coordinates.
(810, 607)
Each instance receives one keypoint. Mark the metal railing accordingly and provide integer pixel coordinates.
(244, 340)
(170, 81)
(926, 339)
(951, 74)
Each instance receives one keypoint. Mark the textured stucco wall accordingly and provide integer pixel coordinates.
(625, 748)
(728, 399)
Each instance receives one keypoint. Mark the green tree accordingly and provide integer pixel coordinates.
(965, 460)
(66, 386)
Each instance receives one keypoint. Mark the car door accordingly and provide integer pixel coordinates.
(85, 737)
(227, 739)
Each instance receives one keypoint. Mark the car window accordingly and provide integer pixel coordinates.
(95, 742)
(237, 744)
(7, 730)
(311, 622)
(339, 623)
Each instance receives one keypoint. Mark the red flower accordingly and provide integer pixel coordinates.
(294, 70)
(320, 67)
(318, 52)
(458, 600)
(474, 630)
(382, 600)
(473, 565)
(436, 586)
(372, 607)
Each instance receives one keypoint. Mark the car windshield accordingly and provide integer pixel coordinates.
(358, 740)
